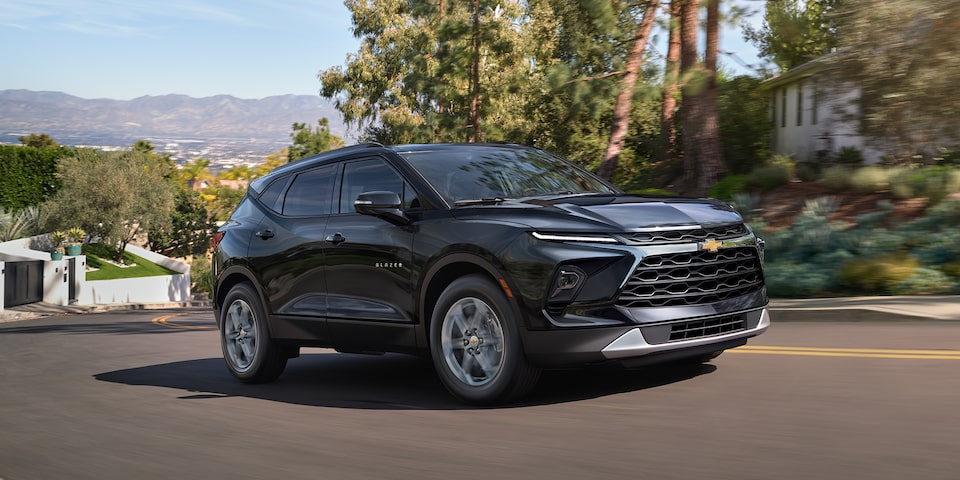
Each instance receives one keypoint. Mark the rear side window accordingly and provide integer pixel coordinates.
(311, 193)
(270, 196)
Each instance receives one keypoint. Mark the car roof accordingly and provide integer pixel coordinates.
(260, 183)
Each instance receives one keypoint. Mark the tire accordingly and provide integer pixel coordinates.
(475, 344)
(251, 355)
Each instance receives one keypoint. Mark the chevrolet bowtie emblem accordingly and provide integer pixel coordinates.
(711, 245)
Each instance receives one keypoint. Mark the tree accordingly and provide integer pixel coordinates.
(430, 71)
(711, 158)
(307, 141)
(194, 173)
(671, 84)
(38, 140)
(189, 230)
(795, 32)
(114, 196)
(744, 107)
(903, 58)
(621, 110)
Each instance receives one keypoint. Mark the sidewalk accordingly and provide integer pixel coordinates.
(849, 309)
(38, 310)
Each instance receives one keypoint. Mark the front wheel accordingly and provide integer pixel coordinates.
(250, 353)
(475, 344)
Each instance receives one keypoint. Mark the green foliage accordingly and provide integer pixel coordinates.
(201, 274)
(307, 141)
(878, 275)
(189, 230)
(870, 179)
(849, 156)
(837, 178)
(933, 183)
(98, 253)
(745, 124)
(875, 256)
(729, 186)
(38, 141)
(21, 223)
(769, 177)
(113, 195)
(28, 175)
(902, 56)
(795, 31)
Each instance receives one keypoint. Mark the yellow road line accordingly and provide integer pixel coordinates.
(164, 321)
(851, 352)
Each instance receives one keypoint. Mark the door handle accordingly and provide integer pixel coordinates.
(336, 238)
(265, 234)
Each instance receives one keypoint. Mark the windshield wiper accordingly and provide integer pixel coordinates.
(480, 201)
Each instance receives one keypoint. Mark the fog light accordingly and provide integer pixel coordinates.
(568, 280)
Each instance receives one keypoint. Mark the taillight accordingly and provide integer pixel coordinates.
(217, 237)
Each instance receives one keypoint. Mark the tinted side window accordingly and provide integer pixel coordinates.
(373, 176)
(311, 192)
(272, 193)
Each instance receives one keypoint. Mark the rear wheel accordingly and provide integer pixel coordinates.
(475, 343)
(250, 353)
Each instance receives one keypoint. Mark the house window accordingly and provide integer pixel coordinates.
(814, 116)
(799, 104)
(783, 107)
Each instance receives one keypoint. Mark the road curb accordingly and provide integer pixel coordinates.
(838, 315)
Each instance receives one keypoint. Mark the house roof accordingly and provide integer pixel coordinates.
(798, 73)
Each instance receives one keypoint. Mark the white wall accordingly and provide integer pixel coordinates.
(159, 289)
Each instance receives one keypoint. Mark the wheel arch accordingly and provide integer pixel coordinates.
(454, 266)
(228, 279)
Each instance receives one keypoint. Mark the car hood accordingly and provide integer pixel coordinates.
(632, 212)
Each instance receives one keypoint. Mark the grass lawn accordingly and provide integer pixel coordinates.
(96, 253)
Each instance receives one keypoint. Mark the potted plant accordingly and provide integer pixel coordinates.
(57, 238)
(75, 238)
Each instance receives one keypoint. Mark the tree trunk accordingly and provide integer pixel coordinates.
(671, 84)
(690, 110)
(621, 110)
(474, 119)
(711, 155)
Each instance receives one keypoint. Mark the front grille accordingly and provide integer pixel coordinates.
(710, 327)
(687, 236)
(693, 278)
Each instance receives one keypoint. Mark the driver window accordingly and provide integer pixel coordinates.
(372, 176)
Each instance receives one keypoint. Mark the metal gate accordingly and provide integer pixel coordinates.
(72, 285)
(23, 283)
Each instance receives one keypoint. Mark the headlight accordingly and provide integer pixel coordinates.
(574, 237)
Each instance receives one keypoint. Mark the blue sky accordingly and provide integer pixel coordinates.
(123, 49)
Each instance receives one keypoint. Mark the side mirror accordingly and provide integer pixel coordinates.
(385, 205)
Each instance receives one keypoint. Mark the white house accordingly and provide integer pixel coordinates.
(813, 117)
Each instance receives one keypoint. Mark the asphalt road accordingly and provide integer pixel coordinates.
(146, 395)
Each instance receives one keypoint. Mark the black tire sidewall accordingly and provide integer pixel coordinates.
(245, 292)
(500, 387)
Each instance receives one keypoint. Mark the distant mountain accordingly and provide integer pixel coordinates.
(162, 119)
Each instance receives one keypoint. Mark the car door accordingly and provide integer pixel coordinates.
(287, 249)
(370, 296)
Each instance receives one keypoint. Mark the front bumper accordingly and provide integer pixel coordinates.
(643, 344)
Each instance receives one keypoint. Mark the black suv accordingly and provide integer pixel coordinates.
(495, 260)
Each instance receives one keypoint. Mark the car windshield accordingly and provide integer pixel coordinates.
(468, 174)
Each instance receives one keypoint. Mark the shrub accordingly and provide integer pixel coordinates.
(201, 274)
(933, 183)
(837, 178)
(795, 280)
(808, 172)
(878, 275)
(769, 177)
(850, 156)
(924, 281)
(729, 186)
(783, 161)
(952, 269)
(652, 191)
(870, 179)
